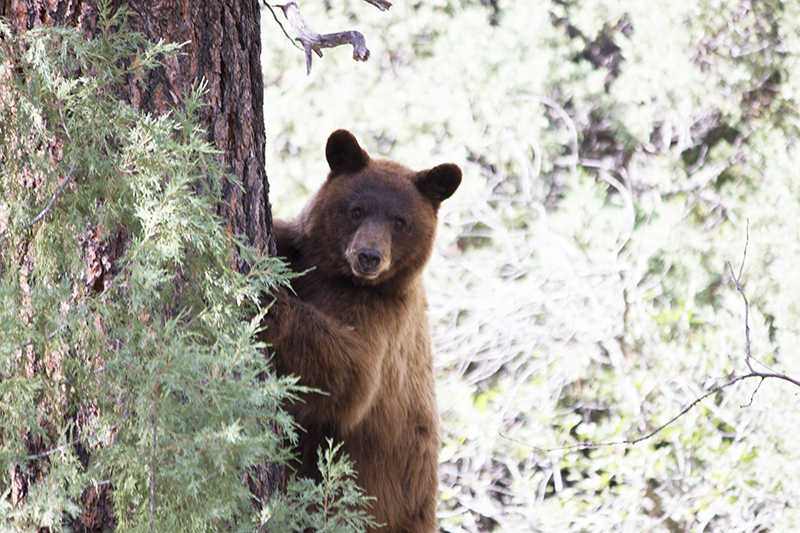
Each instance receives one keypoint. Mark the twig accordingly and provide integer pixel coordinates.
(111, 283)
(65, 445)
(315, 42)
(49, 206)
(52, 200)
(64, 124)
(746, 303)
(752, 396)
(592, 445)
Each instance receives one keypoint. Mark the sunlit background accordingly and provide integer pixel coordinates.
(613, 155)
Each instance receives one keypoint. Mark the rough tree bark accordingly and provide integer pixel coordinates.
(224, 48)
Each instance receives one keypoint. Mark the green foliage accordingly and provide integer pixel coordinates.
(335, 505)
(144, 376)
(614, 152)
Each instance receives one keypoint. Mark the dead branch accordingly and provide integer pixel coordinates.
(715, 390)
(315, 42)
(278, 22)
(592, 445)
(383, 5)
(61, 448)
(49, 206)
(746, 303)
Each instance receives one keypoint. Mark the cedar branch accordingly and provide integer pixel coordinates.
(312, 41)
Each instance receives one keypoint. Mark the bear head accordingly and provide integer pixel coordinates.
(374, 220)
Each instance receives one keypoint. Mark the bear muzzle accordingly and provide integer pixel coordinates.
(367, 262)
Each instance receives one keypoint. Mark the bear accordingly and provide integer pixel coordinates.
(355, 326)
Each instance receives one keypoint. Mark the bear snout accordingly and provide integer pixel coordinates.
(369, 258)
(367, 261)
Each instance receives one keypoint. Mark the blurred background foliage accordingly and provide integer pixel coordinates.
(615, 153)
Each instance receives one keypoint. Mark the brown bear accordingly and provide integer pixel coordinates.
(356, 327)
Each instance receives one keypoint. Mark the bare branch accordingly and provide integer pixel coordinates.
(49, 206)
(752, 396)
(752, 374)
(383, 5)
(52, 200)
(592, 445)
(64, 446)
(316, 42)
(281, 26)
(111, 283)
(64, 124)
(746, 303)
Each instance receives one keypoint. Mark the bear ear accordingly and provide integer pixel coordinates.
(439, 183)
(343, 153)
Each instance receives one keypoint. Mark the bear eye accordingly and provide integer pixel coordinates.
(357, 213)
(399, 223)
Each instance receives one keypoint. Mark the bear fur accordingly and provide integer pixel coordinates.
(357, 327)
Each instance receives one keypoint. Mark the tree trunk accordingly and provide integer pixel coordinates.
(223, 48)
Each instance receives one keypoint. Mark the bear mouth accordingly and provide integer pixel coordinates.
(370, 275)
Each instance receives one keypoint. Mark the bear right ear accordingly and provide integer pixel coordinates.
(343, 153)
(439, 183)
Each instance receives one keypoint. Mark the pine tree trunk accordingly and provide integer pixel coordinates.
(223, 48)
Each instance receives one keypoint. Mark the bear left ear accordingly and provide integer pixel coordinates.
(344, 154)
(439, 183)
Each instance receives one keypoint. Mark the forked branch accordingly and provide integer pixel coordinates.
(315, 42)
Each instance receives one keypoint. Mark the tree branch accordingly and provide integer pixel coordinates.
(383, 5)
(746, 303)
(315, 42)
(751, 374)
(592, 445)
(281, 25)
(49, 206)
(63, 447)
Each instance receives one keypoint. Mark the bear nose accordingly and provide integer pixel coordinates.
(369, 258)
